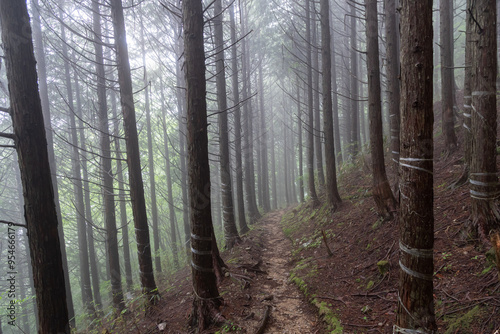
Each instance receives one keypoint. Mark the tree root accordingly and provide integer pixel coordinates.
(205, 313)
(264, 320)
(495, 240)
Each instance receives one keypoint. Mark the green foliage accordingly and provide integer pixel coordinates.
(463, 322)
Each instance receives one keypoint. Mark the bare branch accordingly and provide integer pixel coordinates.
(12, 223)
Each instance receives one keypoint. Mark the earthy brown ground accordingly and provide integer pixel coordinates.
(263, 266)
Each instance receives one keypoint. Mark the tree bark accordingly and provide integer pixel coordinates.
(316, 107)
(133, 155)
(299, 144)
(382, 193)
(416, 305)
(310, 124)
(230, 232)
(335, 106)
(107, 178)
(207, 300)
(332, 192)
(484, 186)
(44, 97)
(266, 205)
(447, 82)
(354, 119)
(237, 127)
(31, 146)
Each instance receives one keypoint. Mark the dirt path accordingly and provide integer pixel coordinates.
(291, 313)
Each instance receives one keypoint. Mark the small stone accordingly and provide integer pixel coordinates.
(162, 326)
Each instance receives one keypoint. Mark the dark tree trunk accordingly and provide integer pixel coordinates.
(316, 93)
(170, 197)
(335, 103)
(299, 145)
(392, 66)
(382, 193)
(107, 177)
(123, 200)
(151, 165)
(237, 128)
(273, 167)
(354, 144)
(285, 165)
(133, 155)
(310, 112)
(447, 82)
(207, 300)
(484, 186)
(44, 97)
(331, 172)
(230, 232)
(416, 233)
(31, 145)
(263, 145)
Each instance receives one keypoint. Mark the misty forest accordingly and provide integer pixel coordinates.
(250, 166)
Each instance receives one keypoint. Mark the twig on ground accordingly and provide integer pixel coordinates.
(264, 321)
(326, 243)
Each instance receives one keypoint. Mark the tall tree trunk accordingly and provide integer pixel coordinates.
(133, 156)
(170, 197)
(416, 233)
(335, 102)
(151, 165)
(230, 231)
(273, 167)
(450, 139)
(392, 68)
(237, 127)
(285, 165)
(207, 300)
(181, 110)
(86, 194)
(484, 186)
(107, 178)
(299, 144)
(83, 256)
(354, 149)
(310, 125)
(31, 145)
(44, 97)
(317, 112)
(382, 193)
(332, 192)
(122, 198)
(263, 145)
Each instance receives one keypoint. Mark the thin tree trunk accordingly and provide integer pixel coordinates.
(382, 193)
(310, 128)
(170, 197)
(332, 192)
(237, 128)
(151, 165)
(207, 300)
(335, 102)
(107, 178)
(450, 139)
(354, 119)
(31, 146)
(317, 112)
(133, 156)
(263, 145)
(392, 68)
(44, 97)
(230, 231)
(299, 144)
(415, 309)
(273, 167)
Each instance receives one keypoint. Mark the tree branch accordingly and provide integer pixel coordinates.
(7, 135)
(5, 110)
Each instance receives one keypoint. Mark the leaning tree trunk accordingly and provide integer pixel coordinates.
(230, 232)
(31, 145)
(382, 193)
(447, 82)
(107, 178)
(207, 300)
(133, 155)
(484, 186)
(331, 172)
(416, 237)
(44, 97)
(240, 202)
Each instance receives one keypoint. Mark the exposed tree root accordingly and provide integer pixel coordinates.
(205, 313)
(495, 240)
(463, 179)
(265, 320)
(384, 199)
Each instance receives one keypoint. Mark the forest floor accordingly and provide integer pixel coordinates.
(283, 262)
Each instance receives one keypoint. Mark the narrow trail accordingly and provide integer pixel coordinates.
(291, 313)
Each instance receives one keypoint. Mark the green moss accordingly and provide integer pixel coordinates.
(331, 319)
(463, 322)
(370, 285)
(383, 267)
